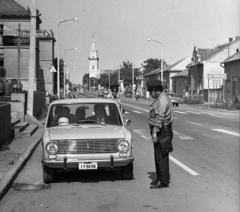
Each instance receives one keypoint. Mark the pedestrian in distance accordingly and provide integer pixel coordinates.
(137, 95)
(114, 96)
(160, 124)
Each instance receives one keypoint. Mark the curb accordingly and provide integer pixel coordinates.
(12, 174)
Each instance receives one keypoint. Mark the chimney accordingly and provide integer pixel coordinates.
(237, 37)
(230, 40)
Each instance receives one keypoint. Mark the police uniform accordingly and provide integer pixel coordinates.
(160, 115)
(114, 88)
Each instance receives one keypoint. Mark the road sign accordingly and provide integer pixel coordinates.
(53, 69)
(39, 33)
(216, 81)
(217, 76)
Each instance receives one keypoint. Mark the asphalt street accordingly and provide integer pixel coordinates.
(204, 169)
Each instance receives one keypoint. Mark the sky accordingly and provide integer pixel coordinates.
(121, 29)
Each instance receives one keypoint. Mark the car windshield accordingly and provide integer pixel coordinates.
(84, 114)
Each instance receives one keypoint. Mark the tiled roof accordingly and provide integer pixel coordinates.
(11, 7)
(233, 58)
(207, 53)
(174, 67)
(183, 73)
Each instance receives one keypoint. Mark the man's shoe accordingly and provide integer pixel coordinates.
(159, 185)
(154, 182)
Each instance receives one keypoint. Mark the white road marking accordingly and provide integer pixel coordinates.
(183, 166)
(176, 111)
(144, 134)
(126, 112)
(136, 111)
(175, 118)
(194, 123)
(182, 136)
(212, 114)
(228, 132)
(193, 112)
(136, 107)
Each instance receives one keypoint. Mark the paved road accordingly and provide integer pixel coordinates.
(204, 171)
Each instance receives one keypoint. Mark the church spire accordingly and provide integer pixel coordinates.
(93, 44)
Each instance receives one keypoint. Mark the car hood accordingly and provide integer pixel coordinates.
(86, 133)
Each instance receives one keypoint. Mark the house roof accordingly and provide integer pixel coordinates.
(183, 73)
(233, 58)
(11, 7)
(177, 66)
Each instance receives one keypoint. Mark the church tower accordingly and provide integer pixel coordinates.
(93, 61)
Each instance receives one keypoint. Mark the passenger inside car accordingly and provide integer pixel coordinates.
(100, 115)
(80, 113)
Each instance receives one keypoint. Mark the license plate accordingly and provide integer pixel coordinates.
(84, 166)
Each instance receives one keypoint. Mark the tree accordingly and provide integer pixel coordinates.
(152, 64)
(85, 79)
(126, 72)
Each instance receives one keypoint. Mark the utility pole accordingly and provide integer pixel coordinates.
(32, 61)
(19, 44)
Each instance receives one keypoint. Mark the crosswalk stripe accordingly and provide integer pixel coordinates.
(227, 132)
(193, 112)
(194, 123)
(176, 111)
(126, 112)
(144, 134)
(136, 111)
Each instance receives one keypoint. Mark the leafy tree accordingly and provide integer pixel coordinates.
(152, 64)
(126, 72)
(85, 79)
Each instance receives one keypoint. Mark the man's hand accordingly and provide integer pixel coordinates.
(154, 137)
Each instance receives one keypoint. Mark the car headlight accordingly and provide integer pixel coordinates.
(123, 146)
(52, 148)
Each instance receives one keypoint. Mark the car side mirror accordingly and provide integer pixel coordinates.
(127, 122)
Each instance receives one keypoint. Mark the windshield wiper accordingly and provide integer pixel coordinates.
(91, 120)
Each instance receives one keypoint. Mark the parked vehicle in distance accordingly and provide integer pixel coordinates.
(81, 91)
(101, 93)
(75, 139)
(175, 99)
(105, 91)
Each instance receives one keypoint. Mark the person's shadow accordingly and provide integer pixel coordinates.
(152, 176)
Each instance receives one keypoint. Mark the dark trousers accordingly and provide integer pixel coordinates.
(161, 164)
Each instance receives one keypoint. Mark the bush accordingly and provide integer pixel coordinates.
(229, 104)
(192, 100)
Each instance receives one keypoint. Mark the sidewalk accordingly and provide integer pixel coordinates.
(14, 158)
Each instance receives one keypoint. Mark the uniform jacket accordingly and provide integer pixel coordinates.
(160, 112)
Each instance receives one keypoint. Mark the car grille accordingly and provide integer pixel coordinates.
(87, 146)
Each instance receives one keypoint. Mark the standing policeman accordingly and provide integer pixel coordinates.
(114, 96)
(160, 116)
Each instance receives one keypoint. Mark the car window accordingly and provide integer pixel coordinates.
(83, 114)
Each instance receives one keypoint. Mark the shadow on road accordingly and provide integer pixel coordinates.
(88, 176)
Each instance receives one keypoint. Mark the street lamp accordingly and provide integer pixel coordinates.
(132, 77)
(162, 56)
(58, 54)
(64, 79)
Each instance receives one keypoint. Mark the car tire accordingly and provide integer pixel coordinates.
(48, 174)
(177, 105)
(127, 172)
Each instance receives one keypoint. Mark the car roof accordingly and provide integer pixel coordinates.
(82, 100)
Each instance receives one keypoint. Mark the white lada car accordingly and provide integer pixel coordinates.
(85, 134)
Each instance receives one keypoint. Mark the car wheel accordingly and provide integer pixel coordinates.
(48, 174)
(127, 172)
(177, 105)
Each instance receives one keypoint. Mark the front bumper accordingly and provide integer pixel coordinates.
(73, 163)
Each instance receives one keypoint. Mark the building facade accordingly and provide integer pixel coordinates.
(207, 61)
(15, 22)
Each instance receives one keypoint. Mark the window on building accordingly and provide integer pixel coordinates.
(1, 60)
(92, 67)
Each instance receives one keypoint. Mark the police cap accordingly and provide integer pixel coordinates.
(154, 85)
(114, 88)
